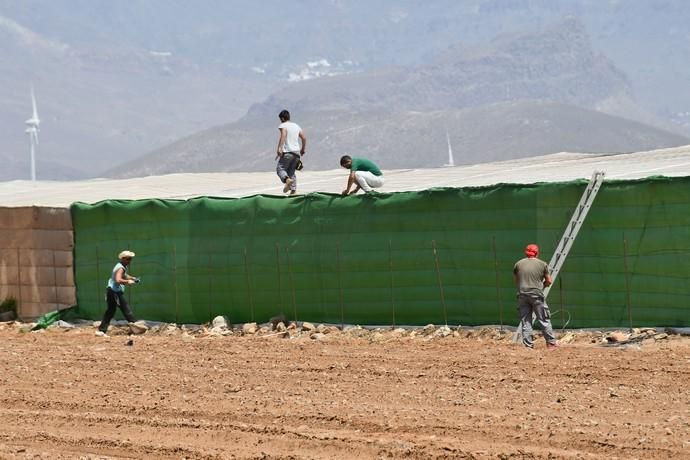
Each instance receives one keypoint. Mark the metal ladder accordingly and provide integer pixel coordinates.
(568, 238)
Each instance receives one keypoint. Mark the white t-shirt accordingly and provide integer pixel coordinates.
(292, 143)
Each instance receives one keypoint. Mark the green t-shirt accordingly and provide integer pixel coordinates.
(362, 164)
(531, 273)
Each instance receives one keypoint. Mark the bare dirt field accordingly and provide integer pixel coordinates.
(65, 393)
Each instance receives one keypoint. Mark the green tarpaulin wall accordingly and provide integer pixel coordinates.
(371, 259)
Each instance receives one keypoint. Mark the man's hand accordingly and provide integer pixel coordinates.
(303, 138)
(350, 183)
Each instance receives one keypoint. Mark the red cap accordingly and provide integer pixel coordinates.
(532, 250)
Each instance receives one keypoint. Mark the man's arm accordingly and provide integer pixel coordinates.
(303, 138)
(122, 278)
(547, 280)
(547, 277)
(350, 181)
(281, 141)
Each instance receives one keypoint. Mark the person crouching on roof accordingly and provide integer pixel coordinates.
(364, 173)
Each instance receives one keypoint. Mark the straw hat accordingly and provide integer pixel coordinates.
(125, 255)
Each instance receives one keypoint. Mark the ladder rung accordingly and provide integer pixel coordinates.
(576, 221)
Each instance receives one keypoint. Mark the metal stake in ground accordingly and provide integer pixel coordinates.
(627, 281)
(177, 302)
(498, 292)
(560, 292)
(440, 282)
(210, 288)
(292, 285)
(19, 282)
(249, 285)
(98, 275)
(340, 287)
(55, 289)
(390, 264)
(129, 291)
(280, 284)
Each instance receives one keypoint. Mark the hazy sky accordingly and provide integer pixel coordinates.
(115, 80)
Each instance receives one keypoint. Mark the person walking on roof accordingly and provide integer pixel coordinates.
(364, 173)
(291, 146)
(531, 276)
(115, 292)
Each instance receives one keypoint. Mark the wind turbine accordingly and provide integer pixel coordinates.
(451, 162)
(32, 130)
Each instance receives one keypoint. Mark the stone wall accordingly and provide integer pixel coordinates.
(36, 259)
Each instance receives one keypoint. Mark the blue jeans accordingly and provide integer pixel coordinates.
(287, 165)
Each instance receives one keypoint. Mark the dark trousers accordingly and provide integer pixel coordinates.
(115, 300)
(287, 165)
(533, 307)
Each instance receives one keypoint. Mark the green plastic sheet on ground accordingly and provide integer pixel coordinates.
(52, 316)
(409, 258)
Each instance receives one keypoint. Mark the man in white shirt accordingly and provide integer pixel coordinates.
(291, 147)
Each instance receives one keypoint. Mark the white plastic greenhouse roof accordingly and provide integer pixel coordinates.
(558, 167)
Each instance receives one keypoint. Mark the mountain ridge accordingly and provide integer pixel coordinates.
(517, 102)
(117, 80)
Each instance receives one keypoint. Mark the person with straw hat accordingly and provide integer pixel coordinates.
(115, 292)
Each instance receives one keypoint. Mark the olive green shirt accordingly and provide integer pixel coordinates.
(531, 273)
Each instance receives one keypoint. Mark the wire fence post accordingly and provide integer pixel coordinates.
(55, 288)
(249, 285)
(562, 303)
(229, 298)
(340, 287)
(19, 282)
(98, 276)
(280, 281)
(627, 281)
(440, 283)
(390, 265)
(498, 291)
(175, 289)
(292, 285)
(210, 288)
(129, 291)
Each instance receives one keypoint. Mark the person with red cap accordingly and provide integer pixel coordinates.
(531, 276)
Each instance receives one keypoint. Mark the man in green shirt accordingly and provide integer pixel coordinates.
(531, 275)
(363, 172)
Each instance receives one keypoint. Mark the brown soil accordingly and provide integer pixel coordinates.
(357, 394)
